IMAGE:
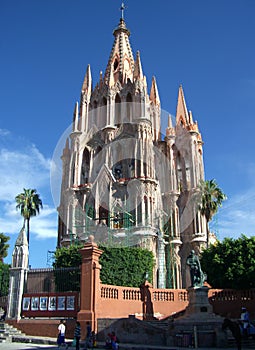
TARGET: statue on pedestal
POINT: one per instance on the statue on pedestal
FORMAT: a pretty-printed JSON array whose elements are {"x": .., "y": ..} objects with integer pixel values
[{"x": 196, "y": 274}]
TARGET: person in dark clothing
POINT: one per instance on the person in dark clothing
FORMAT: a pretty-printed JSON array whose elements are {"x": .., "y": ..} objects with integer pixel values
[
  {"x": 77, "y": 335},
  {"x": 88, "y": 336},
  {"x": 3, "y": 316}
]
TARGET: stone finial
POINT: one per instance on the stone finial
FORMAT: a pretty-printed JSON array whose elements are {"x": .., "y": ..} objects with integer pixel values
[{"x": 91, "y": 239}]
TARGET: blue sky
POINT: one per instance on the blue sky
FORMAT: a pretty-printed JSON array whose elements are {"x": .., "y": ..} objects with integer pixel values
[{"x": 45, "y": 46}]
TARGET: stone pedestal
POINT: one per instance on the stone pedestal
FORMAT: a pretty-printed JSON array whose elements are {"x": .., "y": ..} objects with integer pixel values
[
  {"x": 199, "y": 324},
  {"x": 199, "y": 306}
]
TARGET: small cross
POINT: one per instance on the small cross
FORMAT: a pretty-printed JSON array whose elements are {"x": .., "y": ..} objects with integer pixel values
[{"x": 122, "y": 10}]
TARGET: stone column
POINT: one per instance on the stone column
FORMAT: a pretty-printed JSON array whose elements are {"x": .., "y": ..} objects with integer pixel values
[
  {"x": 18, "y": 276},
  {"x": 90, "y": 285}
]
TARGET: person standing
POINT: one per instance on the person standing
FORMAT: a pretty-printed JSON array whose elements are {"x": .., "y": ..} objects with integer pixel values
[
  {"x": 114, "y": 343},
  {"x": 245, "y": 319},
  {"x": 77, "y": 335},
  {"x": 61, "y": 334},
  {"x": 88, "y": 336}
]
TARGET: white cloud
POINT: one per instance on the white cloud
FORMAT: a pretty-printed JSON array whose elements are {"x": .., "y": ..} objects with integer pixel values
[
  {"x": 237, "y": 216},
  {"x": 4, "y": 132},
  {"x": 45, "y": 225},
  {"x": 24, "y": 166}
]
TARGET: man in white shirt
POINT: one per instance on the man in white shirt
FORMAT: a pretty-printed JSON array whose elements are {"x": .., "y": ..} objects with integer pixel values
[{"x": 61, "y": 334}]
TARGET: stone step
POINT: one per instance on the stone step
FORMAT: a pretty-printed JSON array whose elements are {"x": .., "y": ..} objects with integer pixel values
[
  {"x": 164, "y": 325},
  {"x": 8, "y": 332},
  {"x": 246, "y": 343}
]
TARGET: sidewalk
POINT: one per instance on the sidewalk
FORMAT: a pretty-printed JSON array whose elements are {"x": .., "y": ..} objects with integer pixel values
[{"x": 29, "y": 340}]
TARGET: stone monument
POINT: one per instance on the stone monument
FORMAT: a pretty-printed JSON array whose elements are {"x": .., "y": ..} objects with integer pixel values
[{"x": 199, "y": 326}]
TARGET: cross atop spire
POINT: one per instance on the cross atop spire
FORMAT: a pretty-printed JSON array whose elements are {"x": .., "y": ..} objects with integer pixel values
[{"x": 122, "y": 8}]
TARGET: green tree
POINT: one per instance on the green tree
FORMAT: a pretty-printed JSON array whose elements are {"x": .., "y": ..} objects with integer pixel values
[
  {"x": 67, "y": 256},
  {"x": 4, "y": 268},
  {"x": 4, "y": 279},
  {"x": 29, "y": 204},
  {"x": 126, "y": 266},
  {"x": 210, "y": 201},
  {"x": 67, "y": 268},
  {"x": 3, "y": 246},
  {"x": 230, "y": 263}
]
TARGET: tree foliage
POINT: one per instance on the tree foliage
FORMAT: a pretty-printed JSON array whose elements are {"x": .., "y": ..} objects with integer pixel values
[
  {"x": 4, "y": 268},
  {"x": 67, "y": 256},
  {"x": 4, "y": 279},
  {"x": 126, "y": 266},
  {"x": 29, "y": 204},
  {"x": 122, "y": 266},
  {"x": 3, "y": 246},
  {"x": 211, "y": 198},
  {"x": 66, "y": 268},
  {"x": 230, "y": 263}
]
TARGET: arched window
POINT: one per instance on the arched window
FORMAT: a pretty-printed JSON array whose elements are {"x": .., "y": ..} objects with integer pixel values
[
  {"x": 104, "y": 101},
  {"x": 73, "y": 170},
  {"x": 117, "y": 109},
  {"x": 85, "y": 166},
  {"x": 94, "y": 115},
  {"x": 129, "y": 106},
  {"x": 115, "y": 64},
  {"x": 103, "y": 215}
]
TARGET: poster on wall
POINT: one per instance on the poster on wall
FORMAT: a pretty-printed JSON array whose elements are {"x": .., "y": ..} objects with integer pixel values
[
  {"x": 52, "y": 303},
  {"x": 61, "y": 303},
  {"x": 43, "y": 303},
  {"x": 26, "y": 304},
  {"x": 70, "y": 302},
  {"x": 34, "y": 303}
]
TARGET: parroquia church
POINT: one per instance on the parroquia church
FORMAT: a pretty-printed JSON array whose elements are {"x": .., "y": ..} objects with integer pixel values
[{"x": 126, "y": 181}]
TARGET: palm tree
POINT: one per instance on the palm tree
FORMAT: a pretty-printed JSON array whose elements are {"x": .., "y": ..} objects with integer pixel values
[
  {"x": 211, "y": 199},
  {"x": 29, "y": 204}
]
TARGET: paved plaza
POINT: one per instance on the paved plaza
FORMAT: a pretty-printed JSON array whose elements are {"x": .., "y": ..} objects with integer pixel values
[{"x": 21, "y": 346}]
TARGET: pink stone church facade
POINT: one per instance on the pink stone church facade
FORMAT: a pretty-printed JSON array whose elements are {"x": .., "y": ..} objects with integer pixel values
[{"x": 124, "y": 179}]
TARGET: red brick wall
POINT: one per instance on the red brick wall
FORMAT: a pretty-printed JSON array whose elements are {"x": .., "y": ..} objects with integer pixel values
[
  {"x": 46, "y": 328},
  {"x": 118, "y": 302}
]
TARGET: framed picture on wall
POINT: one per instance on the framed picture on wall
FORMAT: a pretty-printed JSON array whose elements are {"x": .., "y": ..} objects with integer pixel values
[
  {"x": 26, "y": 303},
  {"x": 61, "y": 303},
  {"x": 34, "y": 303},
  {"x": 70, "y": 302},
  {"x": 52, "y": 303},
  {"x": 43, "y": 303}
]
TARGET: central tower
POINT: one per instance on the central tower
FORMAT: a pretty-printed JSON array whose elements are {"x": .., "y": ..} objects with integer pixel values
[{"x": 122, "y": 181}]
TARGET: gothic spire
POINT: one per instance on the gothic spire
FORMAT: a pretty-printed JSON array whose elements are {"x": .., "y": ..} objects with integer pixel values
[
  {"x": 76, "y": 117},
  {"x": 182, "y": 116},
  {"x": 121, "y": 61},
  {"x": 87, "y": 83},
  {"x": 22, "y": 238},
  {"x": 154, "y": 95},
  {"x": 20, "y": 253},
  {"x": 138, "y": 72}
]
